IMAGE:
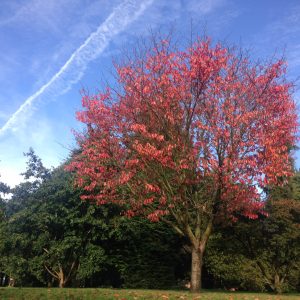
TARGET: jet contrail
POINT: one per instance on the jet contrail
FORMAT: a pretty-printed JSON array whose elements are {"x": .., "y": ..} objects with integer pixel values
[{"x": 74, "y": 68}]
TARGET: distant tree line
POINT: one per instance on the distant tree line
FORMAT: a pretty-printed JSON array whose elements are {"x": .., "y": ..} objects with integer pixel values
[{"x": 49, "y": 237}]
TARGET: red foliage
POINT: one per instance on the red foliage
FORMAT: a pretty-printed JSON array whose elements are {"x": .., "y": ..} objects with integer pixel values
[{"x": 183, "y": 122}]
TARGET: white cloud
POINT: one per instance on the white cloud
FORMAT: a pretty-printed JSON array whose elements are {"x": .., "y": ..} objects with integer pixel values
[
  {"x": 74, "y": 68},
  {"x": 11, "y": 176}
]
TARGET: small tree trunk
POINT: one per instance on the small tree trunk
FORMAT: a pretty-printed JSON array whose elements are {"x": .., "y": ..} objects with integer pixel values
[
  {"x": 196, "y": 269},
  {"x": 61, "y": 276},
  {"x": 277, "y": 284},
  {"x": 61, "y": 283}
]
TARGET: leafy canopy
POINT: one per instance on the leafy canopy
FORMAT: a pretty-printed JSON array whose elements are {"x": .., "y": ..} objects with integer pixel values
[{"x": 188, "y": 133}]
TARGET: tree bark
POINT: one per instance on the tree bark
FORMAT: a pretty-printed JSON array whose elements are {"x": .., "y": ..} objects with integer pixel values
[
  {"x": 277, "y": 284},
  {"x": 61, "y": 283},
  {"x": 198, "y": 244},
  {"x": 61, "y": 277},
  {"x": 196, "y": 270}
]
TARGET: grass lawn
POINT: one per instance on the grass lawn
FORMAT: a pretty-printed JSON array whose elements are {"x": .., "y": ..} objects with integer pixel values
[{"x": 122, "y": 294}]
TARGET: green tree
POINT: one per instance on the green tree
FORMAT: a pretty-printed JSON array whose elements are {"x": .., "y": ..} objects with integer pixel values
[
  {"x": 52, "y": 237},
  {"x": 60, "y": 230},
  {"x": 48, "y": 229},
  {"x": 150, "y": 254},
  {"x": 267, "y": 249},
  {"x": 35, "y": 174},
  {"x": 4, "y": 190}
]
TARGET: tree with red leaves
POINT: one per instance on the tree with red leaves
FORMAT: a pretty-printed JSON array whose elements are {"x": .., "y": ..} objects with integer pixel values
[{"x": 187, "y": 138}]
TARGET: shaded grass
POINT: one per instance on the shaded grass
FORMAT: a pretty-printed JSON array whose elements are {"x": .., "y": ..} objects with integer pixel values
[{"x": 124, "y": 294}]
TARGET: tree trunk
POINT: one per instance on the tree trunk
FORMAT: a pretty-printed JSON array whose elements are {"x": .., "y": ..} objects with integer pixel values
[
  {"x": 61, "y": 283},
  {"x": 277, "y": 284},
  {"x": 196, "y": 269},
  {"x": 61, "y": 278}
]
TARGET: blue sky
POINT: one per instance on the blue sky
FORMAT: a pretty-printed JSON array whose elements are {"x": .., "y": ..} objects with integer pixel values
[{"x": 50, "y": 50}]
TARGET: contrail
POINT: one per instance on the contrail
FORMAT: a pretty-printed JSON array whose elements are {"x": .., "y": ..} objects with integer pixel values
[{"x": 71, "y": 72}]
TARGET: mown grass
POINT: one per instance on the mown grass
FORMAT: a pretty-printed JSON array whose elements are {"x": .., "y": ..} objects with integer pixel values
[{"x": 124, "y": 294}]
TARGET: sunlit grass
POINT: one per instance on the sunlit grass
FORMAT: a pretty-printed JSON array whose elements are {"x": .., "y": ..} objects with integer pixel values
[{"x": 124, "y": 294}]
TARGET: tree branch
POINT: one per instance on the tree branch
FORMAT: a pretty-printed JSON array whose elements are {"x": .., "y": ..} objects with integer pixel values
[{"x": 51, "y": 273}]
